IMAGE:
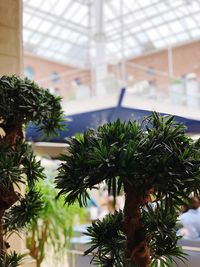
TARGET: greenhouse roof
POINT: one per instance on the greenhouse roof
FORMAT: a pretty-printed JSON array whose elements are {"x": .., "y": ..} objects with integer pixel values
[{"x": 64, "y": 30}]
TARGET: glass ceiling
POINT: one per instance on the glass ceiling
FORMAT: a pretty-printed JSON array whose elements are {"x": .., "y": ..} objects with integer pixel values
[{"x": 64, "y": 30}]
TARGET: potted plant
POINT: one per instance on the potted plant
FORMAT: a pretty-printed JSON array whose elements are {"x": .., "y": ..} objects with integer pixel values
[
  {"x": 156, "y": 165},
  {"x": 53, "y": 227},
  {"x": 177, "y": 91},
  {"x": 21, "y": 101}
]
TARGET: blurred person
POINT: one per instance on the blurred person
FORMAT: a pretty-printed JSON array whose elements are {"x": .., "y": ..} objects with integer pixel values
[{"x": 190, "y": 219}]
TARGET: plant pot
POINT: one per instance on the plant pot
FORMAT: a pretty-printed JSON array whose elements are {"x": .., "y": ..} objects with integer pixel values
[
  {"x": 177, "y": 93},
  {"x": 192, "y": 93}
]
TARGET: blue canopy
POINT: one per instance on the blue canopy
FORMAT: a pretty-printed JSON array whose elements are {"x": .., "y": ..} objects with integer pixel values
[{"x": 79, "y": 123}]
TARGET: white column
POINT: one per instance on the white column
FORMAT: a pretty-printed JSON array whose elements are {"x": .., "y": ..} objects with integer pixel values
[
  {"x": 123, "y": 61},
  {"x": 170, "y": 62},
  {"x": 100, "y": 65}
]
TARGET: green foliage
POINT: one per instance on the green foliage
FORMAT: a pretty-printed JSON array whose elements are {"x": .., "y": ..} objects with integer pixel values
[
  {"x": 18, "y": 164},
  {"x": 11, "y": 260},
  {"x": 23, "y": 101},
  {"x": 53, "y": 225},
  {"x": 156, "y": 156},
  {"x": 108, "y": 241},
  {"x": 160, "y": 224},
  {"x": 24, "y": 212}
]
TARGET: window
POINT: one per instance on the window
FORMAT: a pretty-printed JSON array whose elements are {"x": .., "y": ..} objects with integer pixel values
[
  {"x": 55, "y": 77},
  {"x": 29, "y": 72},
  {"x": 77, "y": 81},
  {"x": 150, "y": 71}
]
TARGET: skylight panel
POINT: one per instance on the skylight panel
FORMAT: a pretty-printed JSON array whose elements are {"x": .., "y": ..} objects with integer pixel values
[
  {"x": 65, "y": 33},
  {"x": 36, "y": 3},
  {"x": 112, "y": 47},
  {"x": 46, "y": 42},
  {"x": 160, "y": 44},
  {"x": 109, "y": 14},
  {"x": 136, "y": 51},
  {"x": 183, "y": 37},
  {"x": 64, "y": 50},
  {"x": 35, "y": 38},
  {"x": 74, "y": 36},
  {"x": 194, "y": 6},
  {"x": 128, "y": 53},
  {"x": 139, "y": 15},
  {"x": 45, "y": 26},
  {"x": 131, "y": 5},
  {"x": 73, "y": 10},
  {"x": 47, "y": 53},
  {"x": 145, "y": 3},
  {"x": 142, "y": 37},
  {"x": 195, "y": 33},
  {"x": 168, "y": 16},
  {"x": 146, "y": 24},
  {"x": 162, "y": 6},
  {"x": 172, "y": 40},
  {"x": 48, "y": 6},
  {"x": 56, "y": 44},
  {"x": 164, "y": 30},
  {"x": 150, "y": 11},
  {"x": 34, "y": 23},
  {"x": 131, "y": 41},
  {"x": 79, "y": 15},
  {"x": 191, "y": 24},
  {"x": 56, "y": 30},
  {"x": 60, "y": 7},
  {"x": 153, "y": 34},
  {"x": 27, "y": 34},
  {"x": 174, "y": 4},
  {"x": 26, "y": 18},
  {"x": 176, "y": 26},
  {"x": 157, "y": 20}
]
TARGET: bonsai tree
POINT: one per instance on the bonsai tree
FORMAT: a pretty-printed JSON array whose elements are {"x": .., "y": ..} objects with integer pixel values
[
  {"x": 53, "y": 227},
  {"x": 21, "y": 102},
  {"x": 155, "y": 162}
]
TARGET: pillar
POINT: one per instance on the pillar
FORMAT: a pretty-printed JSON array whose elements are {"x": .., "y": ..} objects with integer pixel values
[
  {"x": 10, "y": 37},
  {"x": 11, "y": 63},
  {"x": 100, "y": 67}
]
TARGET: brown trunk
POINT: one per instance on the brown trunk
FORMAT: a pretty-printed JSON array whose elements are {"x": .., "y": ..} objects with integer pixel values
[
  {"x": 8, "y": 196},
  {"x": 137, "y": 253},
  {"x": 7, "y": 199},
  {"x": 2, "y": 249}
]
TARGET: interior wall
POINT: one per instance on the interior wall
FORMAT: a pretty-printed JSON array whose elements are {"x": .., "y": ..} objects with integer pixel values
[
  {"x": 11, "y": 62},
  {"x": 42, "y": 70},
  {"x": 186, "y": 59},
  {"x": 10, "y": 37}
]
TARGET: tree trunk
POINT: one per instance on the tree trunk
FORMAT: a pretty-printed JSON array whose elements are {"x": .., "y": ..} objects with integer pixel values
[
  {"x": 8, "y": 196},
  {"x": 7, "y": 199},
  {"x": 137, "y": 251},
  {"x": 2, "y": 249}
]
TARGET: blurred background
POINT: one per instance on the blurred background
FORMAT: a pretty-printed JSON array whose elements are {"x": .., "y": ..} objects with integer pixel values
[
  {"x": 86, "y": 51},
  {"x": 107, "y": 59}
]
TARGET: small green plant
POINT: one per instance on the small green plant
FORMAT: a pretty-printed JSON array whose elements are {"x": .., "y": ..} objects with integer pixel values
[
  {"x": 21, "y": 101},
  {"x": 154, "y": 163},
  {"x": 53, "y": 226}
]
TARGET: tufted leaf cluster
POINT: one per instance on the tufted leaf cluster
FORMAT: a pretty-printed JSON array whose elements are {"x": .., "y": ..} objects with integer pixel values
[
  {"x": 156, "y": 155},
  {"x": 18, "y": 165},
  {"x": 23, "y": 101},
  {"x": 24, "y": 212},
  {"x": 160, "y": 224},
  {"x": 11, "y": 260}
]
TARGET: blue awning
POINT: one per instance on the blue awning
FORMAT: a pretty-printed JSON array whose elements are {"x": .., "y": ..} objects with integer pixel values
[{"x": 78, "y": 123}]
